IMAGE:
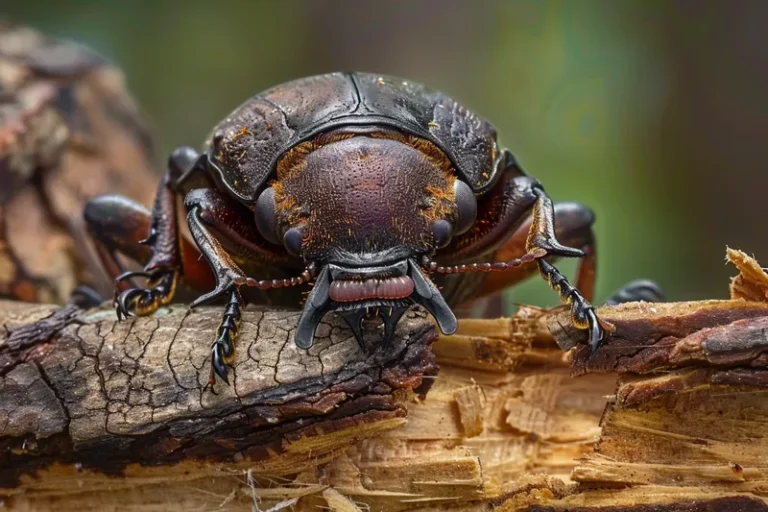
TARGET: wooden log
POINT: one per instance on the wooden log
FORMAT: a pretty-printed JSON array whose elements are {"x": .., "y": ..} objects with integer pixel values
[
  {"x": 670, "y": 418},
  {"x": 688, "y": 426},
  {"x": 96, "y": 411},
  {"x": 85, "y": 398}
]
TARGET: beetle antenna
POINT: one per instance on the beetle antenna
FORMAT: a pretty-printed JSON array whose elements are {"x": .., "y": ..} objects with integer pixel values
[
  {"x": 306, "y": 276},
  {"x": 499, "y": 266}
]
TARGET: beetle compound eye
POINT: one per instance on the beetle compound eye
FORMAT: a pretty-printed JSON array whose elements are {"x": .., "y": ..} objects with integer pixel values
[
  {"x": 266, "y": 219},
  {"x": 467, "y": 204},
  {"x": 443, "y": 232},
  {"x": 292, "y": 241}
]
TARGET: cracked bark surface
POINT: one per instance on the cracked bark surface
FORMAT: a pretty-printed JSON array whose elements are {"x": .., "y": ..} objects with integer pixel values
[{"x": 82, "y": 394}]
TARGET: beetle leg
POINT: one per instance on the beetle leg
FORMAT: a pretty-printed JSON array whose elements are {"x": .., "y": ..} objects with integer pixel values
[
  {"x": 229, "y": 279},
  {"x": 227, "y": 273},
  {"x": 500, "y": 216},
  {"x": 517, "y": 223},
  {"x": 573, "y": 222},
  {"x": 223, "y": 349},
  {"x": 160, "y": 289},
  {"x": 582, "y": 312},
  {"x": 117, "y": 225},
  {"x": 638, "y": 290},
  {"x": 164, "y": 229},
  {"x": 573, "y": 225},
  {"x": 234, "y": 226},
  {"x": 85, "y": 297}
]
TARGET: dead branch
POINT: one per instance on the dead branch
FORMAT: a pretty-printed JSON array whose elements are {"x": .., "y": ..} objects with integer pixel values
[{"x": 84, "y": 394}]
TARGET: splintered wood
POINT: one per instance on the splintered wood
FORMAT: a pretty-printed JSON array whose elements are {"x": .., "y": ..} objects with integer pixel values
[
  {"x": 671, "y": 414},
  {"x": 690, "y": 418},
  {"x": 752, "y": 281}
]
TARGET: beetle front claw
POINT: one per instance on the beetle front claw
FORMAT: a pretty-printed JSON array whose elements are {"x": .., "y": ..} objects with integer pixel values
[
  {"x": 555, "y": 248},
  {"x": 228, "y": 284},
  {"x": 583, "y": 314},
  {"x": 125, "y": 302},
  {"x": 208, "y": 297},
  {"x": 145, "y": 301},
  {"x": 218, "y": 367},
  {"x": 596, "y": 333}
]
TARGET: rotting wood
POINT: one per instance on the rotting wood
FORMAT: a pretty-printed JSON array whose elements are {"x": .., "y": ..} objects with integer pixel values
[
  {"x": 105, "y": 412},
  {"x": 688, "y": 428},
  {"x": 95, "y": 397}
]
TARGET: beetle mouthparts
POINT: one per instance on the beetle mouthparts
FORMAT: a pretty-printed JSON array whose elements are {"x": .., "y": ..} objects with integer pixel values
[
  {"x": 354, "y": 290},
  {"x": 315, "y": 308},
  {"x": 430, "y": 297},
  {"x": 350, "y": 287}
]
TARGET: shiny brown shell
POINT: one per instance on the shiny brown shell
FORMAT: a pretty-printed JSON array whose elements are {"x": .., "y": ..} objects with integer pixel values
[{"x": 245, "y": 147}]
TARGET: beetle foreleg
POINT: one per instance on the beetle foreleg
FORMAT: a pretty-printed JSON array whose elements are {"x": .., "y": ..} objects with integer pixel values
[
  {"x": 542, "y": 233},
  {"x": 228, "y": 274},
  {"x": 582, "y": 312},
  {"x": 223, "y": 349},
  {"x": 498, "y": 231},
  {"x": 211, "y": 210},
  {"x": 229, "y": 279},
  {"x": 165, "y": 264}
]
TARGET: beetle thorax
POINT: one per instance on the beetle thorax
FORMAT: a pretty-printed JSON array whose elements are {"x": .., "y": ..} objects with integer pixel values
[{"x": 358, "y": 196}]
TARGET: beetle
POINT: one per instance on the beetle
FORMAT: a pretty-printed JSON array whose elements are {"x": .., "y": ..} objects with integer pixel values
[{"x": 369, "y": 192}]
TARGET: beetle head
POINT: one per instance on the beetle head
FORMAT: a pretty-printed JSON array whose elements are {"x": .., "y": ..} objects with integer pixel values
[{"x": 363, "y": 208}]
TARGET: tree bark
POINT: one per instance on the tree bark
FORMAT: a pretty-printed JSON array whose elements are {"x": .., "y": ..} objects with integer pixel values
[
  {"x": 69, "y": 131},
  {"x": 85, "y": 395},
  {"x": 686, "y": 428}
]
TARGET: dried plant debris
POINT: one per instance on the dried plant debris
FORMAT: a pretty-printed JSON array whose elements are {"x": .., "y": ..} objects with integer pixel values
[{"x": 752, "y": 282}]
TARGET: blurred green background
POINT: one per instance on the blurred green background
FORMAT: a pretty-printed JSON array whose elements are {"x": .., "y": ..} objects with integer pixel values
[{"x": 652, "y": 112}]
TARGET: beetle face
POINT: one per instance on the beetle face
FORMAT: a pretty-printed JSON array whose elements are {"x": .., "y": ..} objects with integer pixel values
[{"x": 364, "y": 209}]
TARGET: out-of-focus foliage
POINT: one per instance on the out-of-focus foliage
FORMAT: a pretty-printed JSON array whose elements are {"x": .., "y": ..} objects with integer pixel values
[{"x": 651, "y": 112}]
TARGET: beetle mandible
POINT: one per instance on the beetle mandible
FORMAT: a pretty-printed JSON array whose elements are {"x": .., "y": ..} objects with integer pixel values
[{"x": 377, "y": 192}]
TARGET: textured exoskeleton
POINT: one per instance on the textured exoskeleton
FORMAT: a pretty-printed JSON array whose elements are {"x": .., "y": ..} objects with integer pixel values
[{"x": 369, "y": 192}]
